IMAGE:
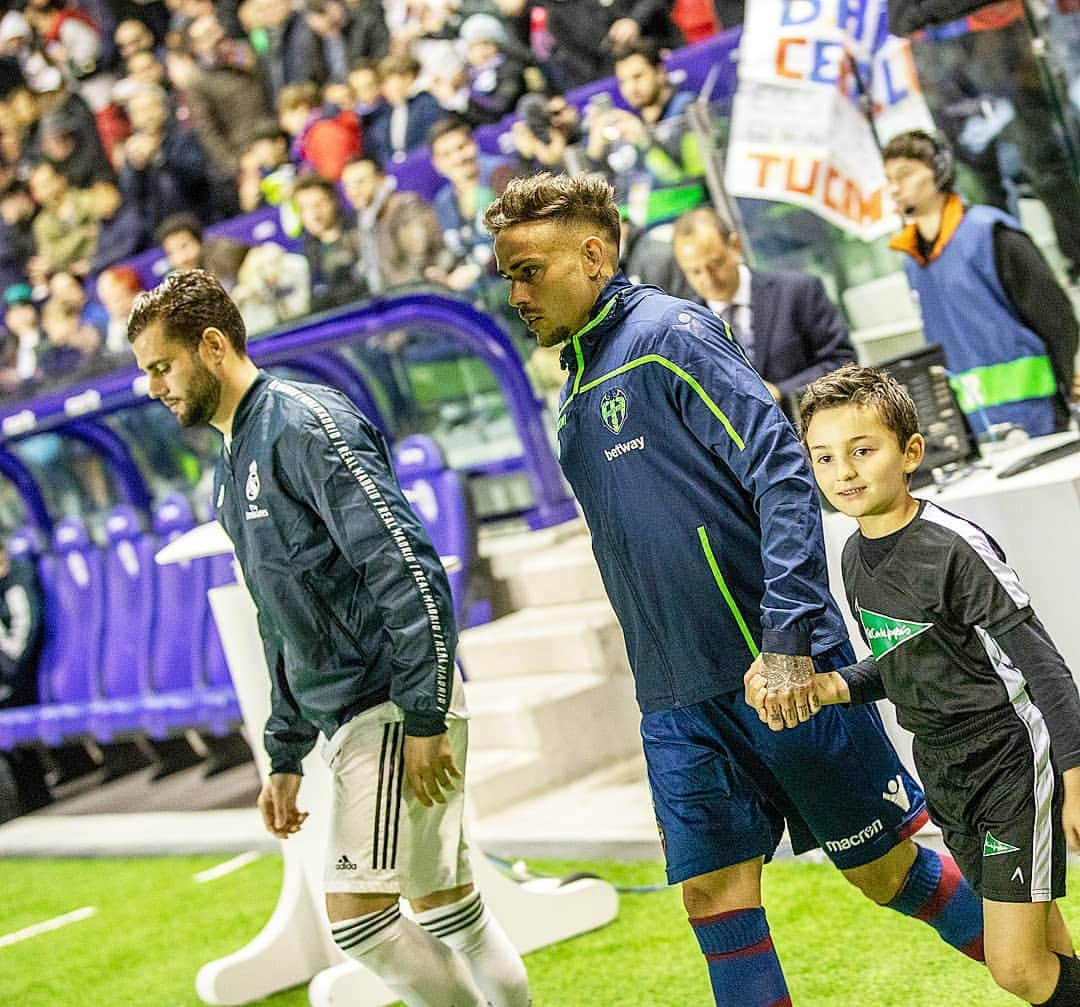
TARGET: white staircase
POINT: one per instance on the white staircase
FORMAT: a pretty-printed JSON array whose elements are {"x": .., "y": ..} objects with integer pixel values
[{"x": 552, "y": 701}]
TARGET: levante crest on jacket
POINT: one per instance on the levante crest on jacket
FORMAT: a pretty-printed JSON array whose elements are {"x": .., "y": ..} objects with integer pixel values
[{"x": 613, "y": 409}]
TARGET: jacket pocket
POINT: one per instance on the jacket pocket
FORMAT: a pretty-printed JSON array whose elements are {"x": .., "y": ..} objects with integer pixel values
[
  {"x": 339, "y": 623},
  {"x": 718, "y": 577}
]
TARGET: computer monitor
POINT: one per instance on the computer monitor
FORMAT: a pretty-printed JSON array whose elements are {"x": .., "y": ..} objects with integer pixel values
[{"x": 950, "y": 441}]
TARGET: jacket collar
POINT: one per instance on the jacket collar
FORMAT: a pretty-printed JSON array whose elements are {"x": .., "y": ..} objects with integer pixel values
[
  {"x": 908, "y": 239},
  {"x": 247, "y": 403},
  {"x": 604, "y": 315}
]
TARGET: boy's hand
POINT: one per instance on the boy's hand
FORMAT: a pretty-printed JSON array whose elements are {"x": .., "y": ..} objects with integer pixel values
[{"x": 1070, "y": 809}]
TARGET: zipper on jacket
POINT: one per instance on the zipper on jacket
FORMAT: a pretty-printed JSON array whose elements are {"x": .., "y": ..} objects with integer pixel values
[
  {"x": 579, "y": 356},
  {"x": 710, "y": 558},
  {"x": 334, "y": 617}
]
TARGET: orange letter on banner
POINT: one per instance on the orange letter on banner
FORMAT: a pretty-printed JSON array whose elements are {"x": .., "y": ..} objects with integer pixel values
[
  {"x": 807, "y": 189},
  {"x": 870, "y": 207},
  {"x": 831, "y": 176},
  {"x": 782, "y": 58},
  {"x": 766, "y": 162}
]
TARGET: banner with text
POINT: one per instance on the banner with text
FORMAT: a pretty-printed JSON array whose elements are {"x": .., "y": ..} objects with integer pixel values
[{"x": 799, "y": 128}]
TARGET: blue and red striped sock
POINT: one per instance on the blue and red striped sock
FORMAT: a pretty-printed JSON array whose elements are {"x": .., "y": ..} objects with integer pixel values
[
  {"x": 743, "y": 967},
  {"x": 936, "y": 893}
]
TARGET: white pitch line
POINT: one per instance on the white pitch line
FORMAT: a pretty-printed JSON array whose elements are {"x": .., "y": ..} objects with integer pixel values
[
  {"x": 44, "y": 927},
  {"x": 213, "y": 873}
]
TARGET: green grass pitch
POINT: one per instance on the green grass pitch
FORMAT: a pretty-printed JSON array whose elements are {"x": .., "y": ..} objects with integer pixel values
[{"x": 155, "y": 926}]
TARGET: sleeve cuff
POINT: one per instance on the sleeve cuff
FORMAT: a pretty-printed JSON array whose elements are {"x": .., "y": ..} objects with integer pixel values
[
  {"x": 293, "y": 768},
  {"x": 786, "y": 641},
  {"x": 424, "y": 725}
]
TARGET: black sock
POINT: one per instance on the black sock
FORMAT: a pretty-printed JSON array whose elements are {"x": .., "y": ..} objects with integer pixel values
[{"x": 1067, "y": 991}]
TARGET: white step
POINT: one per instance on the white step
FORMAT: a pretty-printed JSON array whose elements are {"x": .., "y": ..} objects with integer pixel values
[
  {"x": 606, "y": 813},
  {"x": 563, "y": 574},
  {"x": 552, "y": 638},
  {"x": 506, "y": 552},
  {"x": 499, "y": 777},
  {"x": 557, "y": 716}
]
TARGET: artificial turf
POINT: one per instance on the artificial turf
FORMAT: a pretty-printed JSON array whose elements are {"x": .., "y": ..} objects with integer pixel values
[{"x": 155, "y": 927}]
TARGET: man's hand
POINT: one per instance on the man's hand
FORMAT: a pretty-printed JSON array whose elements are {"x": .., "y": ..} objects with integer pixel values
[
  {"x": 430, "y": 769},
  {"x": 1070, "y": 809},
  {"x": 622, "y": 33},
  {"x": 277, "y": 804},
  {"x": 790, "y": 697}
]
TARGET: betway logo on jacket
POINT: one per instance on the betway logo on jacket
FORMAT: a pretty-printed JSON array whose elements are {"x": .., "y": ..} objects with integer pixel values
[
  {"x": 884, "y": 633},
  {"x": 637, "y": 444}
]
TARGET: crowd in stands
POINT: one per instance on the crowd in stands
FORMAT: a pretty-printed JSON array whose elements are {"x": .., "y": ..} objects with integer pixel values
[
  {"x": 128, "y": 125},
  {"x": 131, "y": 124}
]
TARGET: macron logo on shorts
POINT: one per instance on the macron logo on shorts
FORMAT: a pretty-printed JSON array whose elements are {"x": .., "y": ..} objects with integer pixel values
[
  {"x": 895, "y": 793},
  {"x": 345, "y": 864}
]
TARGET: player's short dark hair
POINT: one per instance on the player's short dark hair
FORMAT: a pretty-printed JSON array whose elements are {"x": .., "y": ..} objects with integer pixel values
[
  {"x": 563, "y": 198},
  {"x": 853, "y": 385},
  {"x": 187, "y": 303},
  {"x": 177, "y": 223}
]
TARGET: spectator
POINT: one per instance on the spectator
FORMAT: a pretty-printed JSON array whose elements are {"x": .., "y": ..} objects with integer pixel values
[
  {"x": 648, "y": 153},
  {"x": 145, "y": 68},
  {"x": 181, "y": 239},
  {"x": 117, "y": 288},
  {"x": 332, "y": 249},
  {"x": 494, "y": 69},
  {"x": 548, "y": 125},
  {"x": 65, "y": 112},
  {"x": 789, "y": 329},
  {"x": 58, "y": 136},
  {"x": 132, "y": 37},
  {"x": 460, "y": 204},
  {"x": 163, "y": 169},
  {"x": 226, "y": 92},
  {"x": 266, "y": 174},
  {"x": 21, "y": 631},
  {"x": 272, "y": 286},
  {"x": 364, "y": 82},
  {"x": 986, "y": 294},
  {"x": 403, "y": 122},
  {"x": 65, "y": 228},
  {"x": 277, "y": 31},
  {"x": 122, "y": 230},
  {"x": 986, "y": 62},
  {"x": 576, "y": 41},
  {"x": 21, "y": 320},
  {"x": 17, "y": 248},
  {"x": 399, "y": 233},
  {"x": 322, "y": 136},
  {"x": 70, "y": 344}
]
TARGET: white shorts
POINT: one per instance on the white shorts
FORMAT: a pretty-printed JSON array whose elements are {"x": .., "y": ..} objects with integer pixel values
[{"x": 382, "y": 839}]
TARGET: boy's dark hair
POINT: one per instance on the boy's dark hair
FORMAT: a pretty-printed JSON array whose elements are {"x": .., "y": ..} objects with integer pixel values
[
  {"x": 373, "y": 159},
  {"x": 175, "y": 224},
  {"x": 647, "y": 48},
  {"x": 186, "y": 304},
  {"x": 853, "y": 385},
  {"x": 564, "y": 198}
]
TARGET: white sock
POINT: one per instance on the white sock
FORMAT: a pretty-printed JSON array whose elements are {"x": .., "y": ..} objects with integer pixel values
[
  {"x": 420, "y": 969},
  {"x": 468, "y": 927}
]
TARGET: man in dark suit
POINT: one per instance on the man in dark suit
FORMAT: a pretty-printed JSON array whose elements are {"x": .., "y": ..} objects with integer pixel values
[{"x": 790, "y": 330}]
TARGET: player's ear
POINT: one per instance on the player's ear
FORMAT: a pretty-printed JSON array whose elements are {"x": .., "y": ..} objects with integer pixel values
[
  {"x": 914, "y": 453},
  {"x": 213, "y": 345},
  {"x": 592, "y": 255}
]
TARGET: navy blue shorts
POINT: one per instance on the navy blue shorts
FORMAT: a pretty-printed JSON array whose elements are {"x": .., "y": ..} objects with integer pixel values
[{"x": 724, "y": 785}]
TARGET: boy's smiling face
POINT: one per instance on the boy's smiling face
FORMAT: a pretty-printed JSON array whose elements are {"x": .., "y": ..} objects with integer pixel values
[{"x": 861, "y": 468}]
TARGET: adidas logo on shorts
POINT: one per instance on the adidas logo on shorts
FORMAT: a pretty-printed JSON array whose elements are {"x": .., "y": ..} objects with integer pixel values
[{"x": 345, "y": 864}]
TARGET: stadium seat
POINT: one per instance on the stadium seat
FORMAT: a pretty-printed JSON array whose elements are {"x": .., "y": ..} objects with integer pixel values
[
  {"x": 74, "y": 621},
  {"x": 129, "y": 625},
  {"x": 219, "y": 707}
]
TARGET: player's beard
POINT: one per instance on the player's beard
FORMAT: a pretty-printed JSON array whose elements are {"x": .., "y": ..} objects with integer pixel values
[
  {"x": 200, "y": 403},
  {"x": 556, "y": 337}
]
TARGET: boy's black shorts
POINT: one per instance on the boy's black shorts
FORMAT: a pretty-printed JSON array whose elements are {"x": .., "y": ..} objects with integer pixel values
[{"x": 992, "y": 788}]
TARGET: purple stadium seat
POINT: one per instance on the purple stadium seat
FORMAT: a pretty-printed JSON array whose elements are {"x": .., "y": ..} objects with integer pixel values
[
  {"x": 438, "y": 495},
  {"x": 129, "y": 624},
  {"x": 74, "y": 621},
  {"x": 219, "y": 708}
]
